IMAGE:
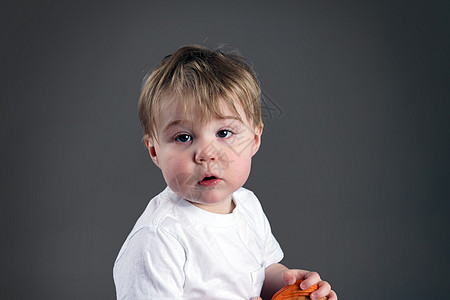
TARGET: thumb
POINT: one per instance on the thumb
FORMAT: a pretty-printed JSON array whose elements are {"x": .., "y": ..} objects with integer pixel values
[
  {"x": 290, "y": 277},
  {"x": 257, "y": 298}
]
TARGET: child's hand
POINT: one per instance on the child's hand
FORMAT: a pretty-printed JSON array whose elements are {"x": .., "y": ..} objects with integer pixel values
[{"x": 309, "y": 279}]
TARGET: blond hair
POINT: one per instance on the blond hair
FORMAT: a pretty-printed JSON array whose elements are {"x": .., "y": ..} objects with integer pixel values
[{"x": 206, "y": 77}]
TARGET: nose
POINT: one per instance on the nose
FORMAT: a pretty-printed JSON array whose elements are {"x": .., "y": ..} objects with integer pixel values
[{"x": 206, "y": 153}]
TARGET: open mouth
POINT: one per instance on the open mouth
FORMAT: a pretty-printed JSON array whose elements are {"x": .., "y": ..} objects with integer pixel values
[{"x": 209, "y": 181}]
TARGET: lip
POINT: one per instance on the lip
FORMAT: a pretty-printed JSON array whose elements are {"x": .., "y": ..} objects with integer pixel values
[{"x": 209, "y": 180}]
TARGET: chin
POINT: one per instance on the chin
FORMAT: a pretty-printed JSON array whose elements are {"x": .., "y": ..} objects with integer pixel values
[{"x": 209, "y": 197}]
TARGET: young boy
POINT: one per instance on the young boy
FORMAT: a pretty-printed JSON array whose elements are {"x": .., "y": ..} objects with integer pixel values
[{"x": 204, "y": 236}]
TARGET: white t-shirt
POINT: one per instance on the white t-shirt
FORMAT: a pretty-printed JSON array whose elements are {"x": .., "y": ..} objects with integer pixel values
[{"x": 179, "y": 251}]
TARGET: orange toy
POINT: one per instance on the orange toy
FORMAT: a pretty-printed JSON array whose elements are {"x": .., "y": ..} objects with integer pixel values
[{"x": 293, "y": 292}]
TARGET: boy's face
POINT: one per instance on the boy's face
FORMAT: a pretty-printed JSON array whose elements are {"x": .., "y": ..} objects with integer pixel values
[{"x": 204, "y": 162}]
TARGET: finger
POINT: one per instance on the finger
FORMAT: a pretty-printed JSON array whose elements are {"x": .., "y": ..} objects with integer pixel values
[
  {"x": 324, "y": 290},
  {"x": 332, "y": 296},
  {"x": 291, "y": 276},
  {"x": 311, "y": 278},
  {"x": 257, "y": 298}
]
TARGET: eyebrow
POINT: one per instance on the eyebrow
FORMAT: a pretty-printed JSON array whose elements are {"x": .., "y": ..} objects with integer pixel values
[
  {"x": 171, "y": 124},
  {"x": 230, "y": 118},
  {"x": 178, "y": 122}
]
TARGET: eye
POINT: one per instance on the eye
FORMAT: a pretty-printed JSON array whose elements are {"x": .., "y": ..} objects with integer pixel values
[
  {"x": 224, "y": 133},
  {"x": 183, "y": 138}
]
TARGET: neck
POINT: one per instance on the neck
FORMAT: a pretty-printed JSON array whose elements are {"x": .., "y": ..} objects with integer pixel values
[{"x": 221, "y": 208}]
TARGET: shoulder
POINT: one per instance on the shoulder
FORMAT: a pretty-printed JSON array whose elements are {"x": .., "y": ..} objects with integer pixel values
[
  {"x": 160, "y": 210},
  {"x": 248, "y": 202},
  {"x": 245, "y": 194},
  {"x": 155, "y": 229},
  {"x": 246, "y": 197},
  {"x": 158, "y": 219}
]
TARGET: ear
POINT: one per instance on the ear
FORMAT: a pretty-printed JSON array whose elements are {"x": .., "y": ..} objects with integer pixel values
[
  {"x": 257, "y": 139},
  {"x": 150, "y": 144}
]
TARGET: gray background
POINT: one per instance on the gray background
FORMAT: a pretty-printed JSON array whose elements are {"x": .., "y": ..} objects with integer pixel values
[{"x": 353, "y": 172}]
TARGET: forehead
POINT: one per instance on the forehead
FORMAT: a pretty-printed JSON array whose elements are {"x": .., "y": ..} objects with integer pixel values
[{"x": 188, "y": 109}]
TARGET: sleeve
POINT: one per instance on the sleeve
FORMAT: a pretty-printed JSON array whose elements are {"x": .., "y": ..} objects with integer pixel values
[
  {"x": 150, "y": 267},
  {"x": 272, "y": 250}
]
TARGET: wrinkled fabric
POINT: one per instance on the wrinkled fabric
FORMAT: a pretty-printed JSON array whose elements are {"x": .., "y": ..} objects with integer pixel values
[{"x": 179, "y": 251}]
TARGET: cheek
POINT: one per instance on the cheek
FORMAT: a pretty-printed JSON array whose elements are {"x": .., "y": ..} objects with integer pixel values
[
  {"x": 241, "y": 169},
  {"x": 176, "y": 171}
]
